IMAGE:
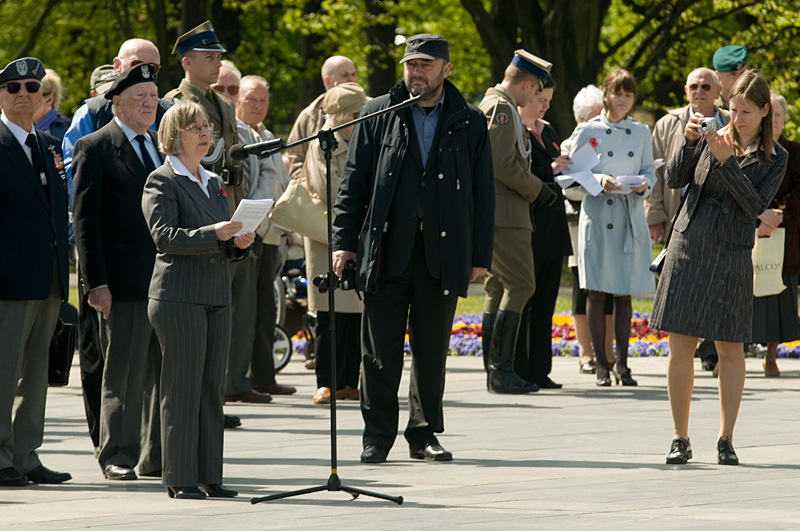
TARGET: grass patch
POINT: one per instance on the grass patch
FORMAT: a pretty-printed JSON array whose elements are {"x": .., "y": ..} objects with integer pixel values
[{"x": 474, "y": 304}]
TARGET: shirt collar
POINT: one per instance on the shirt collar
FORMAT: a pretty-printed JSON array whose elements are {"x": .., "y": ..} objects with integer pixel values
[
  {"x": 19, "y": 133},
  {"x": 180, "y": 169},
  {"x": 130, "y": 134}
]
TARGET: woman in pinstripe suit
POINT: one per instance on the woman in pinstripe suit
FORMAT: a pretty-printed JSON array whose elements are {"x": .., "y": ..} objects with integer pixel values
[
  {"x": 190, "y": 296},
  {"x": 706, "y": 286}
]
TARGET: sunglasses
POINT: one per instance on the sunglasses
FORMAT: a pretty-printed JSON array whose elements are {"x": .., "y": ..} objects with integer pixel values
[
  {"x": 14, "y": 86},
  {"x": 233, "y": 90},
  {"x": 705, "y": 86},
  {"x": 139, "y": 62}
]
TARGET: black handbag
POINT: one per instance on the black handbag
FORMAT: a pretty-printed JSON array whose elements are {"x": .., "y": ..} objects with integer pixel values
[
  {"x": 658, "y": 262},
  {"x": 62, "y": 349}
]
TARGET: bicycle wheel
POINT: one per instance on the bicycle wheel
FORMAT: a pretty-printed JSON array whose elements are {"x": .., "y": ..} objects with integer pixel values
[{"x": 281, "y": 348}]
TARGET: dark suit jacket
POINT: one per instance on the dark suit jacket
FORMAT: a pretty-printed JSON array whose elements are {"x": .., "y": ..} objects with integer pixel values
[
  {"x": 550, "y": 230},
  {"x": 191, "y": 264},
  {"x": 114, "y": 243},
  {"x": 789, "y": 196},
  {"x": 34, "y": 229},
  {"x": 751, "y": 183}
]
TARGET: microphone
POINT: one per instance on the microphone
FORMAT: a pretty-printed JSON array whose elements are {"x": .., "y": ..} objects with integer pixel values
[{"x": 240, "y": 152}]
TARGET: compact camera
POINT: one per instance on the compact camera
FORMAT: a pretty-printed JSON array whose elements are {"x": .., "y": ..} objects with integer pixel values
[{"x": 708, "y": 125}]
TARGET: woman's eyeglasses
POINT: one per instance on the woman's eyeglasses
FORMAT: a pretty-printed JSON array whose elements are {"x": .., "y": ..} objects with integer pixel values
[
  {"x": 197, "y": 129},
  {"x": 14, "y": 86}
]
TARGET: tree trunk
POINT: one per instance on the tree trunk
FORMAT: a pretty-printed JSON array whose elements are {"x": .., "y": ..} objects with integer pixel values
[
  {"x": 36, "y": 29},
  {"x": 380, "y": 31}
]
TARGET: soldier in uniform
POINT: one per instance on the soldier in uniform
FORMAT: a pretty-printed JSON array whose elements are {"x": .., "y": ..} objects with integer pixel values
[
  {"x": 200, "y": 54},
  {"x": 510, "y": 283}
]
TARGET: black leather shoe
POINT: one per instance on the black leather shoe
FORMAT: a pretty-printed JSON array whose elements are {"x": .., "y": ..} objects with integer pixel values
[
  {"x": 151, "y": 474},
  {"x": 119, "y": 472},
  {"x": 186, "y": 493},
  {"x": 680, "y": 451},
  {"x": 45, "y": 476},
  {"x": 603, "y": 382},
  {"x": 432, "y": 452},
  {"x": 9, "y": 477},
  {"x": 725, "y": 453},
  {"x": 547, "y": 383},
  {"x": 232, "y": 421},
  {"x": 373, "y": 454},
  {"x": 625, "y": 377},
  {"x": 218, "y": 491}
]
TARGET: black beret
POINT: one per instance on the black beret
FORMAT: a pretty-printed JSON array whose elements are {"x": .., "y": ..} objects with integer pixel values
[{"x": 141, "y": 73}]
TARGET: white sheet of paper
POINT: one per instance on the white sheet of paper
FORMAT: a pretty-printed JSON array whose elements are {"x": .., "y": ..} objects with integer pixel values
[
  {"x": 583, "y": 160},
  {"x": 251, "y": 212},
  {"x": 564, "y": 181},
  {"x": 626, "y": 182},
  {"x": 659, "y": 163}
]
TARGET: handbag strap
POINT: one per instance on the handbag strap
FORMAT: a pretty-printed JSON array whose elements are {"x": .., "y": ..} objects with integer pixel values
[{"x": 677, "y": 213}]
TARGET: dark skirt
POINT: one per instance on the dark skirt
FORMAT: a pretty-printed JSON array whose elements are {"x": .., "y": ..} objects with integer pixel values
[{"x": 775, "y": 316}]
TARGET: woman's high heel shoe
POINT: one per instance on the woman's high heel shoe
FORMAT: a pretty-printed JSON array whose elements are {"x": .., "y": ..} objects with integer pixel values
[
  {"x": 186, "y": 493},
  {"x": 218, "y": 491},
  {"x": 725, "y": 452},
  {"x": 625, "y": 378},
  {"x": 603, "y": 382}
]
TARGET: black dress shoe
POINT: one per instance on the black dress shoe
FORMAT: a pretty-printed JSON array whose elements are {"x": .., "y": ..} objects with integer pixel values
[
  {"x": 546, "y": 383},
  {"x": 186, "y": 493},
  {"x": 9, "y": 477},
  {"x": 218, "y": 491},
  {"x": 680, "y": 451},
  {"x": 373, "y": 454},
  {"x": 432, "y": 452},
  {"x": 151, "y": 474},
  {"x": 625, "y": 377},
  {"x": 588, "y": 368},
  {"x": 603, "y": 382},
  {"x": 119, "y": 472},
  {"x": 725, "y": 453},
  {"x": 232, "y": 421},
  {"x": 45, "y": 476}
]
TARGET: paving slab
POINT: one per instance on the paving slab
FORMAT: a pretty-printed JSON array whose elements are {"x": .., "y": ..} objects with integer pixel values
[{"x": 581, "y": 457}]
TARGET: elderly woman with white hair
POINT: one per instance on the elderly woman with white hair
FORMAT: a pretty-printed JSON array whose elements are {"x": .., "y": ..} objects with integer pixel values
[{"x": 775, "y": 316}]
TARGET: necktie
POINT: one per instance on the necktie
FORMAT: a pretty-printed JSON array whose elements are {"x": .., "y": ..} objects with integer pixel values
[
  {"x": 148, "y": 162},
  {"x": 38, "y": 162}
]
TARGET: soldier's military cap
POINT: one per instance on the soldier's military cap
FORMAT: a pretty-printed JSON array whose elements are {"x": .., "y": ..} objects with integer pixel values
[
  {"x": 730, "y": 58},
  {"x": 202, "y": 38},
  {"x": 141, "y": 73},
  {"x": 25, "y": 68},
  {"x": 102, "y": 79},
  {"x": 530, "y": 63},
  {"x": 426, "y": 46}
]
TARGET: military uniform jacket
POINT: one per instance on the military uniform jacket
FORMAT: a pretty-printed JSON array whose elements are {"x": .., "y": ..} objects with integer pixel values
[
  {"x": 463, "y": 172},
  {"x": 35, "y": 226},
  {"x": 114, "y": 244},
  {"x": 515, "y": 186},
  {"x": 221, "y": 114},
  {"x": 668, "y": 135}
]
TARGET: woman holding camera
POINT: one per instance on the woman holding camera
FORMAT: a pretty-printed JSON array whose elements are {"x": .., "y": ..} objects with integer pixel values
[
  {"x": 341, "y": 104},
  {"x": 706, "y": 286},
  {"x": 614, "y": 250}
]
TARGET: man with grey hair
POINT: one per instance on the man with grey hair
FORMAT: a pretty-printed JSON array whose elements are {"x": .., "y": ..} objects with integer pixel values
[
  {"x": 702, "y": 88},
  {"x": 111, "y": 166},
  {"x": 228, "y": 81},
  {"x": 335, "y": 70},
  {"x": 251, "y": 367}
]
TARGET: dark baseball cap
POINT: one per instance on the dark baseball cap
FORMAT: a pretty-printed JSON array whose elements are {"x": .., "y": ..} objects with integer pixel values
[{"x": 426, "y": 46}]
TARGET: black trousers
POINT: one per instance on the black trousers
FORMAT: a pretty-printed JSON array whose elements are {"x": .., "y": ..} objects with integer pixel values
[
  {"x": 91, "y": 361},
  {"x": 348, "y": 349},
  {"x": 413, "y": 297},
  {"x": 534, "y": 354}
]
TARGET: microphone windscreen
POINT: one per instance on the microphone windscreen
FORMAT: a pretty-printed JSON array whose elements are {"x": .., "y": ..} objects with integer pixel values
[{"x": 237, "y": 152}]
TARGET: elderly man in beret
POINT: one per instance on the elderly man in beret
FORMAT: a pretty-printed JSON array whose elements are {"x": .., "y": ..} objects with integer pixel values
[
  {"x": 117, "y": 254},
  {"x": 33, "y": 273},
  {"x": 729, "y": 63}
]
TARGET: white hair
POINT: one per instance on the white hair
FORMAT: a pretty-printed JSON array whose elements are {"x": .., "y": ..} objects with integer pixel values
[
  {"x": 777, "y": 99},
  {"x": 232, "y": 67},
  {"x": 587, "y": 103}
]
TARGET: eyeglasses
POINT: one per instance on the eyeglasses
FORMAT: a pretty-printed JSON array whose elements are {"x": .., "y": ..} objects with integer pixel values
[
  {"x": 14, "y": 86},
  {"x": 233, "y": 90},
  {"x": 197, "y": 129},
  {"x": 139, "y": 62},
  {"x": 705, "y": 86}
]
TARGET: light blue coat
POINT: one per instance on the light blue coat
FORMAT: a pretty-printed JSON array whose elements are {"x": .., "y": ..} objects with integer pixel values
[{"x": 614, "y": 250}]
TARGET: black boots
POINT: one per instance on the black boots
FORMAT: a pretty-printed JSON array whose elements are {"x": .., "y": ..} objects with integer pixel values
[
  {"x": 502, "y": 377},
  {"x": 486, "y": 339}
]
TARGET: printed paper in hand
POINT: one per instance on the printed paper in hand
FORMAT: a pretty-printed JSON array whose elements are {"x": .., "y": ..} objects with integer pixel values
[
  {"x": 251, "y": 212},
  {"x": 580, "y": 172},
  {"x": 626, "y": 182}
]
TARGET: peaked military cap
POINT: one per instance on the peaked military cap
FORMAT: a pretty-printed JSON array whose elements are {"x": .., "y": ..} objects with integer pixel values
[
  {"x": 530, "y": 63},
  {"x": 730, "y": 58},
  {"x": 141, "y": 73},
  {"x": 102, "y": 79},
  {"x": 25, "y": 68},
  {"x": 202, "y": 38}
]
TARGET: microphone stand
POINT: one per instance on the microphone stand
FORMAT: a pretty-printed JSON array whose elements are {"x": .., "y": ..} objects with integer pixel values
[{"x": 328, "y": 143}]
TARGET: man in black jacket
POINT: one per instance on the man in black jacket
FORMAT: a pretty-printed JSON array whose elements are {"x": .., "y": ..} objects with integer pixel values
[{"x": 415, "y": 212}]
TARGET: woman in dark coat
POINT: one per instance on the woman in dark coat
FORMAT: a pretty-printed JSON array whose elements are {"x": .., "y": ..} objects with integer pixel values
[
  {"x": 775, "y": 316},
  {"x": 706, "y": 286},
  {"x": 550, "y": 243}
]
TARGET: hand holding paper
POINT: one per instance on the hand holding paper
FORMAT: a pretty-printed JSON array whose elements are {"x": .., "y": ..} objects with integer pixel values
[{"x": 250, "y": 213}]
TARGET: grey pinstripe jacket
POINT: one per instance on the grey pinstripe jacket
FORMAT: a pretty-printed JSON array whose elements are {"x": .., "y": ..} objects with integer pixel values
[
  {"x": 191, "y": 264},
  {"x": 751, "y": 184}
]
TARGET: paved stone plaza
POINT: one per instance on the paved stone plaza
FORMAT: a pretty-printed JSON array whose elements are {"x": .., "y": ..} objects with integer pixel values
[{"x": 579, "y": 458}]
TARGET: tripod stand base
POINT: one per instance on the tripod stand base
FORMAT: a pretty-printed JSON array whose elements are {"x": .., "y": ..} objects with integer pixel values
[{"x": 334, "y": 484}]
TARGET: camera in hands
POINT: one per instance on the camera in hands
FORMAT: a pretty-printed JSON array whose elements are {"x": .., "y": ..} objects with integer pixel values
[
  {"x": 708, "y": 125},
  {"x": 345, "y": 283}
]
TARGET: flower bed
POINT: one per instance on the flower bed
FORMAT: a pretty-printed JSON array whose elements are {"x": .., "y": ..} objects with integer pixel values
[{"x": 465, "y": 338}]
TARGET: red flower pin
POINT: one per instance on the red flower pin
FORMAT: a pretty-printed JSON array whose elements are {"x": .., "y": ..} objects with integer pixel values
[
  {"x": 593, "y": 142},
  {"x": 555, "y": 145},
  {"x": 223, "y": 192}
]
